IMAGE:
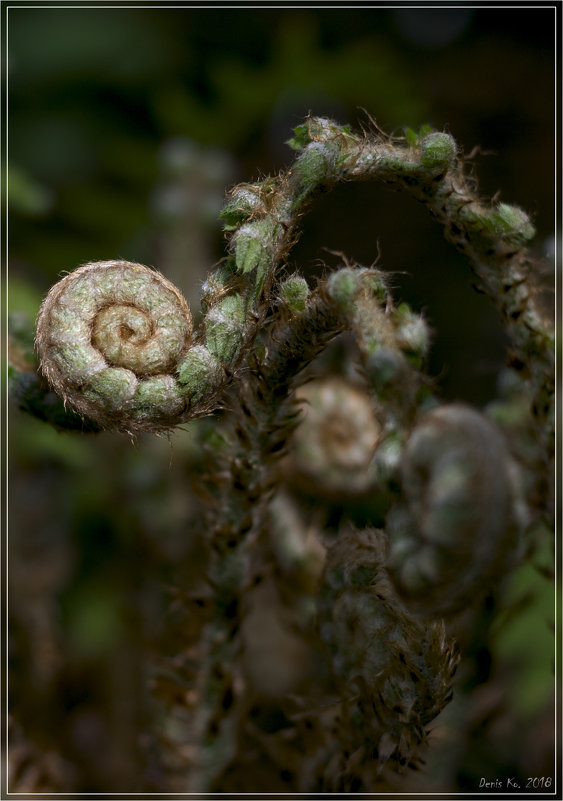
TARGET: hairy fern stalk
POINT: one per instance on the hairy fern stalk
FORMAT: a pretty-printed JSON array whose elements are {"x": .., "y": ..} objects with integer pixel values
[{"x": 371, "y": 608}]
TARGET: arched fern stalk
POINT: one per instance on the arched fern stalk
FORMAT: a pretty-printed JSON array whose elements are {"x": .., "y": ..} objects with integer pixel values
[
  {"x": 115, "y": 341},
  {"x": 80, "y": 335}
]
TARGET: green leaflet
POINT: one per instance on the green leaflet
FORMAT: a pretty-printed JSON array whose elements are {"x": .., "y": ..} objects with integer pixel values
[
  {"x": 301, "y": 138},
  {"x": 254, "y": 249},
  {"x": 249, "y": 253}
]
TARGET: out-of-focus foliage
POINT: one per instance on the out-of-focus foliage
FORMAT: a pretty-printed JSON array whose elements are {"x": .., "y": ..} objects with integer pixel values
[{"x": 125, "y": 127}]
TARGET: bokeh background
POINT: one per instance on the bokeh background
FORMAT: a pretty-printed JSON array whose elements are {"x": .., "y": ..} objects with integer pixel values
[{"x": 125, "y": 128}]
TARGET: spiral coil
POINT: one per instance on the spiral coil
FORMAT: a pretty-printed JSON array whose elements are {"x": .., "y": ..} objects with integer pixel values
[{"x": 111, "y": 338}]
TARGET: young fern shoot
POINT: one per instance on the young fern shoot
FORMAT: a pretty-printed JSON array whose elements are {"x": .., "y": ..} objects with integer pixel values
[
  {"x": 116, "y": 342},
  {"x": 149, "y": 371}
]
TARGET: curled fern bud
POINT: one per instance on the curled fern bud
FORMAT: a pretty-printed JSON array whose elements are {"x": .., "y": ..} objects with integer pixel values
[
  {"x": 333, "y": 445},
  {"x": 293, "y": 294},
  {"x": 453, "y": 536},
  {"x": 504, "y": 224},
  {"x": 244, "y": 204},
  {"x": 343, "y": 287},
  {"x": 437, "y": 150},
  {"x": 513, "y": 224},
  {"x": 110, "y": 337},
  {"x": 412, "y": 334}
]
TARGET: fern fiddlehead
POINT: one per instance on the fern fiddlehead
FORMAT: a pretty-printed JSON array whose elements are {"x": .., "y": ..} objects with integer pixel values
[
  {"x": 260, "y": 224},
  {"x": 109, "y": 336},
  {"x": 115, "y": 340},
  {"x": 457, "y": 526}
]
